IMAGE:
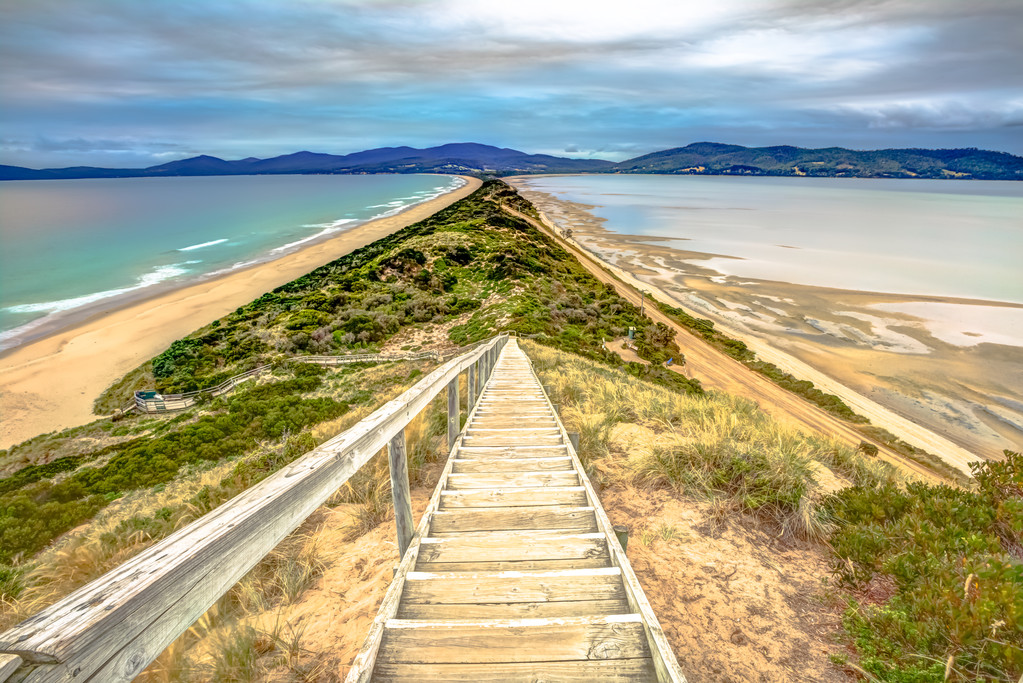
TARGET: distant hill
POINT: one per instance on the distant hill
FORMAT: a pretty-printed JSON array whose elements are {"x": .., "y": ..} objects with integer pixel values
[
  {"x": 467, "y": 158},
  {"x": 710, "y": 158},
  {"x": 701, "y": 158}
]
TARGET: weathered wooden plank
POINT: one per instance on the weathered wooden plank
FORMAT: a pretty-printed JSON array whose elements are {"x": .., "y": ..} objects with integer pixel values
[
  {"x": 8, "y": 665},
  {"x": 400, "y": 494},
  {"x": 454, "y": 413},
  {"x": 514, "y": 565},
  {"x": 519, "y": 449},
  {"x": 473, "y": 440},
  {"x": 465, "y": 466},
  {"x": 477, "y": 498},
  {"x": 510, "y": 546},
  {"x": 514, "y": 610},
  {"x": 513, "y": 432},
  {"x": 512, "y": 479},
  {"x": 490, "y": 519},
  {"x": 490, "y": 425},
  {"x": 517, "y": 640},
  {"x": 606, "y": 671},
  {"x": 512, "y": 586}
]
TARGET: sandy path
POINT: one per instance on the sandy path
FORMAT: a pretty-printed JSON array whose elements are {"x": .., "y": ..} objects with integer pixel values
[
  {"x": 51, "y": 383},
  {"x": 715, "y": 370}
]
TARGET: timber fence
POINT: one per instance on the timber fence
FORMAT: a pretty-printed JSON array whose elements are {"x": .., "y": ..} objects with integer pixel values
[{"x": 111, "y": 629}]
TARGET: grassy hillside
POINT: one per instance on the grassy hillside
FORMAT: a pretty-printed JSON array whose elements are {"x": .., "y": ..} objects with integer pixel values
[{"x": 709, "y": 158}]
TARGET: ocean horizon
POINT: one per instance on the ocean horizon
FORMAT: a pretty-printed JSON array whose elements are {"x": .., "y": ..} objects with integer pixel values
[{"x": 74, "y": 248}]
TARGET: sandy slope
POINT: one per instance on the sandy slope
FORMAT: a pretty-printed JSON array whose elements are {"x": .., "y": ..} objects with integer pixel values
[{"x": 51, "y": 384}]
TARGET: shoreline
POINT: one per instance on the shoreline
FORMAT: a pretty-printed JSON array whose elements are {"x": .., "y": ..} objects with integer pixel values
[
  {"x": 50, "y": 383},
  {"x": 892, "y": 367}
]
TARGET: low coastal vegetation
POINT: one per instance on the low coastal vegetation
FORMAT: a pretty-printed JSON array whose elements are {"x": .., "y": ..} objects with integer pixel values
[
  {"x": 931, "y": 575},
  {"x": 935, "y": 576},
  {"x": 742, "y": 353},
  {"x": 829, "y": 402}
]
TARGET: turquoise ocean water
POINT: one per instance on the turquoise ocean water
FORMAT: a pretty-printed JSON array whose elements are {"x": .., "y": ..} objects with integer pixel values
[
  {"x": 70, "y": 248},
  {"x": 922, "y": 237}
]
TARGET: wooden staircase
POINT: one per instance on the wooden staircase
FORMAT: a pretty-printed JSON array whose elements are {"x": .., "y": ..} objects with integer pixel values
[{"x": 514, "y": 573}]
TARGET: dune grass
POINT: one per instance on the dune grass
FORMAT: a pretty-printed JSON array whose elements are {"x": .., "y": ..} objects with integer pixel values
[{"x": 712, "y": 446}]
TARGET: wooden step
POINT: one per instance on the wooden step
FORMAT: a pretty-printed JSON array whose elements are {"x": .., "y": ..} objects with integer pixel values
[
  {"x": 478, "y": 498},
  {"x": 514, "y": 565},
  {"x": 472, "y": 465},
  {"x": 511, "y": 545},
  {"x": 503, "y": 452},
  {"x": 501, "y": 440},
  {"x": 576, "y": 518},
  {"x": 604, "y": 670},
  {"x": 499, "y": 641},
  {"x": 459, "y": 588},
  {"x": 505, "y": 480},
  {"x": 514, "y": 610}
]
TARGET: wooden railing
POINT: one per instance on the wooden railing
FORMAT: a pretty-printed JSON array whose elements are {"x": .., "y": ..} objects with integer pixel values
[
  {"x": 112, "y": 628},
  {"x": 153, "y": 402}
]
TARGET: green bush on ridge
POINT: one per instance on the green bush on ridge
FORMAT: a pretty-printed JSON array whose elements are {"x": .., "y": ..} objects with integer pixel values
[{"x": 951, "y": 560}]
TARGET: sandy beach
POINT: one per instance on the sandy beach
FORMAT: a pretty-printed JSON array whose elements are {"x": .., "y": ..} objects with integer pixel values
[
  {"x": 51, "y": 383},
  {"x": 912, "y": 364}
]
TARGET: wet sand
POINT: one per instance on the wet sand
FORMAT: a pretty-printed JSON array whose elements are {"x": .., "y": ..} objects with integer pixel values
[
  {"x": 866, "y": 347},
  {"x": 51, "y": 383}
]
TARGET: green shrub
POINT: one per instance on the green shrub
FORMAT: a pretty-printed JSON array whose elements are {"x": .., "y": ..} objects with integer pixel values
[
  {"x": 33, "y": 515},
  {"x": 953, "y": 563}
]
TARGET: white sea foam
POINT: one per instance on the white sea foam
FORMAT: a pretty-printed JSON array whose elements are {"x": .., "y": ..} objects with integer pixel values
[
  {"x": 147, "y": 280},
  {"x": 203, "y": 245},
  {"x": 53, "y": 308},
  {"x": 330, "y": 228}
]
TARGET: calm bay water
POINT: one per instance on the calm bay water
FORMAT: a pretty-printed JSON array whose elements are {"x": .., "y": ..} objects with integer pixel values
[
  {"x": 67, "y": 245},
  {"x": 926, "y": 237}
]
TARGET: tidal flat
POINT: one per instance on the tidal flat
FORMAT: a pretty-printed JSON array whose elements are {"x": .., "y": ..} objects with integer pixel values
[{"x": 922, "y": 313}]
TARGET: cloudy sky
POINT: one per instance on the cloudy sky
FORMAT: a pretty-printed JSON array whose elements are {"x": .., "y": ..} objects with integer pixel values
[{"x": 139, "y": 82}]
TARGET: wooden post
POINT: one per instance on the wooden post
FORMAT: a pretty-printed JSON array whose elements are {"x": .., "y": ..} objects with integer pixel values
[
  {"x": 574, "y": 438},
  {"x": 470, "y": 385},
  {"x": 453, "y": 413},
  {"x": 400, "y": 491}
]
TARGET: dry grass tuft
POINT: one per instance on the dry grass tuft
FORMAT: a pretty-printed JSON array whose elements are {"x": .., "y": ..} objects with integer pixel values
[{"x": 714, "y": 446}]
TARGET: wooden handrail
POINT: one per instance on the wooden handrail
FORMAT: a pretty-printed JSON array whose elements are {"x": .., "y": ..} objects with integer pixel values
[{"x": 112, "y": 628}]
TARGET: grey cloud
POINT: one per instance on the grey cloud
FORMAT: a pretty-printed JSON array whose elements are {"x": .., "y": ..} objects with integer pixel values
[{"x": 237, "y": 75}]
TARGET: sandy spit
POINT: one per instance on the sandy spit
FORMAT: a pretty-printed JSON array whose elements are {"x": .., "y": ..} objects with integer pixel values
[{"x": 51, "y": 383}]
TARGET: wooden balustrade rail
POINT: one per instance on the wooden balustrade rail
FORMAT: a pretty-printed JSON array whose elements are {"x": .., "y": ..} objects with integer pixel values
[{"x": 112, "y": 628}]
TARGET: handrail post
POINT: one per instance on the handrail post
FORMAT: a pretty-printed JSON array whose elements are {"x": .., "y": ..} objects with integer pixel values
[
  {"x": 470, "y": 384},
  {"x": 454, "y": 416},
  {"x": 400, "y": 493}
]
